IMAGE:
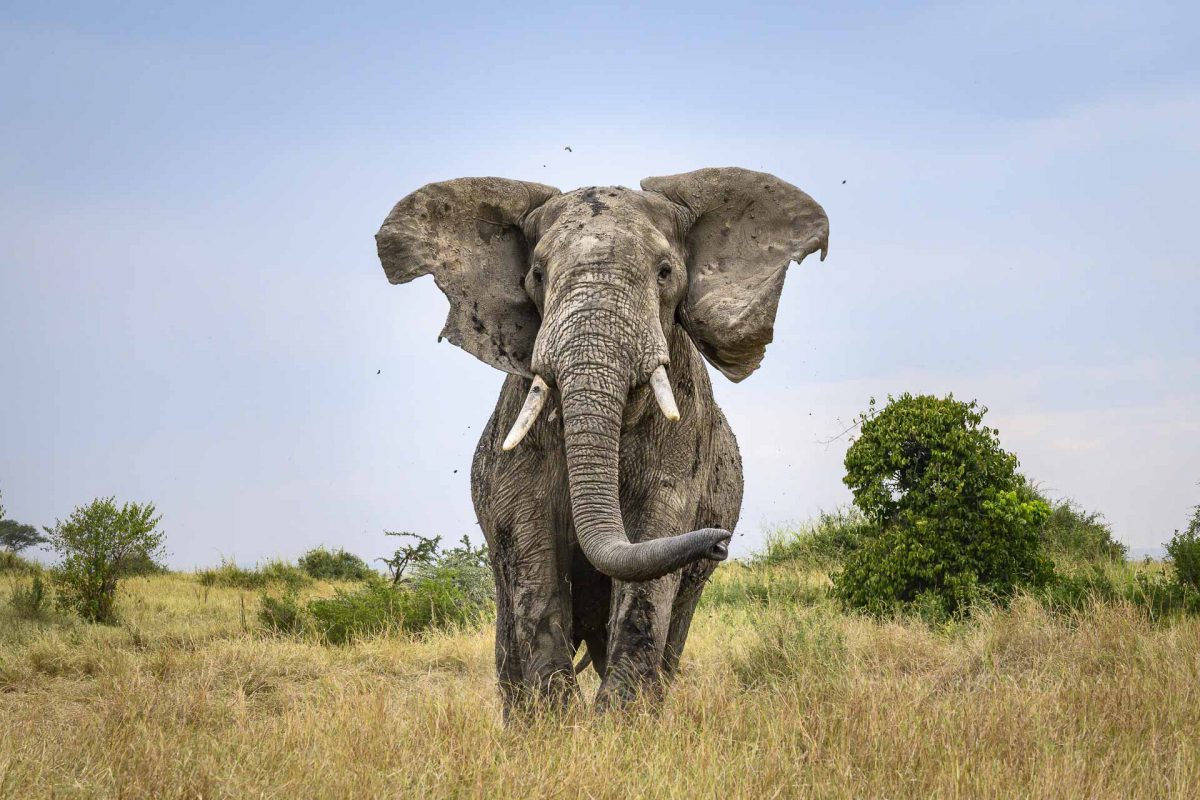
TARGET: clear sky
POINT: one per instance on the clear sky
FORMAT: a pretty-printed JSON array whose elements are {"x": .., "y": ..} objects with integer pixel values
[{"x": 192, "y": 312}]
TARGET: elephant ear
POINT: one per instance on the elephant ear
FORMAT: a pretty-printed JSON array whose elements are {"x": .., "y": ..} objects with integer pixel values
[
  {"x": 747, "y": 227},
  {"x": 468, "y": 234}
]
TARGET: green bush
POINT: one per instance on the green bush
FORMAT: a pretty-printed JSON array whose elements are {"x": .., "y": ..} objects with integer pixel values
[
  {"x": 437, "y": 599},
  {"x": 283, "y": 615},
  {"x": 463, "y": 571},
  {"x": 827, "y": 541},
  {"x": 445, "y": 589},
  {"x": 1076, "y": 591},
  {"x": 98, "y": 542},
  {"x": 281, "y": 572},
  {"x": 376, "y": 609},
  {"x": 334, "y": 565},
  {"x": 953, "y": 525},
  {"x": 229, "y": 575},
  {"x": 31, "y": 600},
  {"x": 11, "y": 562},
  {"x": 1184, "y": 552},
  {"x": 1072, "y": 534}
]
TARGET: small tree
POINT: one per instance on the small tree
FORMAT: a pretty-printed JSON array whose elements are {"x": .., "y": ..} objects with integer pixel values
[
  {"x": 422, "y": 551},
  {"x": 99, "y": 543},
  {"x": 15, "y": 537},
  {"x": 954, "y": 523}
]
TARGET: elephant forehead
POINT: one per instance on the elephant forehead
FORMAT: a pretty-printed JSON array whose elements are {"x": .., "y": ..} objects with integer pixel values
[{"x": 607, "y": 218}]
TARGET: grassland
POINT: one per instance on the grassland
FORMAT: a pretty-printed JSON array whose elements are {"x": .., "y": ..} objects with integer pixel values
[{"x": 781, "y": 695}]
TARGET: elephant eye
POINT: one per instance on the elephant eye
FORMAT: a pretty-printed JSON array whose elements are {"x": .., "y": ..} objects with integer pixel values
[
  {"x": 538, "y": 276},
  {"x": 664, "y": 271}
]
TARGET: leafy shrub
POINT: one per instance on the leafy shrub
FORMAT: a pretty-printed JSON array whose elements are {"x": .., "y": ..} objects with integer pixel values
[
  {"x": 1070, "y": 533},
  {"x": 824, "y": 542},
  {"x": 446, "y": 589},
  {"x": 232, "y": 576},
  {"x": 97, "y": 543},
  {"x": 229, "y": 574},
  {"x": 953, "y": 525},
  {"x": 279, "y": 571},
  {"x": 283, "y": 615},
  {"x": 437, "y": 599},
  {"x": 31, "y": 600},
  {"x": 11, "y": 562},
  {"x": 334, "y": 565},
  {"x": 376, "y": 609},
  {"x": 463, "y": 570},
  {"x": 1076, "y": 591},
  {"x": 1184, "y": 552}
]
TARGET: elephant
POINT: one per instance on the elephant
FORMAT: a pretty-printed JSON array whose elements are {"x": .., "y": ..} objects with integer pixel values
[{"x": 607, "y": 481}]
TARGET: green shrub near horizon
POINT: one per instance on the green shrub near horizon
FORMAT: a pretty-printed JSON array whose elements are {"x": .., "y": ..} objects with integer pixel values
[
  {"x": 273, "y": 571},
  {"x": 954, "y": 524},
  {"x": 1068, "y": 535},
  {"x": 1073, "y": 534},
  {"x": 444, "y": 589},
  {"x": 12, "y": 562},
  {"x": 826, "y": 541},
  {"x": 1184, "y": 553},
  {"x": 334, "y": 565}
]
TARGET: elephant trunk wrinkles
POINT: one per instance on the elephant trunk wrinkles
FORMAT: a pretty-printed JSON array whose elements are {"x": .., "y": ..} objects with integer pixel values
[{"x": 594, "y": 391}]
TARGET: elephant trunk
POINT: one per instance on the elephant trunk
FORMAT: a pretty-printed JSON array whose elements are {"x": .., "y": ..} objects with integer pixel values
[{"x": 594, "y": 392}]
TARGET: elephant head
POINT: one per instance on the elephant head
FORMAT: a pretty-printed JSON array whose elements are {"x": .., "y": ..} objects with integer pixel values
[{"x": 579, "y": 291}]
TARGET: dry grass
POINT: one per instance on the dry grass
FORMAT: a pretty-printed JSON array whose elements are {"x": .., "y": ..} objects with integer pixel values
[{"x": 782, "y": 699}]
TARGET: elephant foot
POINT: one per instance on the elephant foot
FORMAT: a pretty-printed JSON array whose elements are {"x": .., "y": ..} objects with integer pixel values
[{"x": 626, "y": 687}]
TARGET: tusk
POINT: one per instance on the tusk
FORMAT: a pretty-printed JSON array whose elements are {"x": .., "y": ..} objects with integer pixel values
[
  {"x": 662, "y": 393},
  {"x": 529, "y": 413}
]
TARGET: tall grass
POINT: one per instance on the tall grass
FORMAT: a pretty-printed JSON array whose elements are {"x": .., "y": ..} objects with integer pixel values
[{"x": 775, "y": 699}]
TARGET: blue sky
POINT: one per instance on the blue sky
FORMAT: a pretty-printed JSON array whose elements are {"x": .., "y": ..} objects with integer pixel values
[{"x": 191, "y": 310}]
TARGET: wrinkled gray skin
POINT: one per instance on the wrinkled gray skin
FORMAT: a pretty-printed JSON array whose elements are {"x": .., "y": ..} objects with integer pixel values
[{"x": 606, "y": 521}]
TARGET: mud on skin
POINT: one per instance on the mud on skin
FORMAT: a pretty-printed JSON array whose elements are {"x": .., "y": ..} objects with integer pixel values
[{"x": 606, "y": 516}]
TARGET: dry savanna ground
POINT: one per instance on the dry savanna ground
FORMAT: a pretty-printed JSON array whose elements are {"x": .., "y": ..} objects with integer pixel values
[{"x": 187, "y": 698}]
